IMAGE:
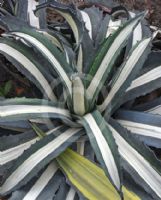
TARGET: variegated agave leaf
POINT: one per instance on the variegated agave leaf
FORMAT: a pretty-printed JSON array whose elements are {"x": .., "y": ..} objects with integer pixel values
[
  {"x": 24, "y": 10},
  {"x": 72, "y": 74}
]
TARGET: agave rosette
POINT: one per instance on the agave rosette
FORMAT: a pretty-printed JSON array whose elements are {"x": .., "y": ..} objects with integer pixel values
[{"x": 86, "y": 83}]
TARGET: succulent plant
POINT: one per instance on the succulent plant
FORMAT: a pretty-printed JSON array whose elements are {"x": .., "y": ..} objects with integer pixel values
[{"x": 90, "y": 70}]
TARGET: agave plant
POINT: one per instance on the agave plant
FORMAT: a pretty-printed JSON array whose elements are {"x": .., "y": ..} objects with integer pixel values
[{"x": 89, "y": 84}]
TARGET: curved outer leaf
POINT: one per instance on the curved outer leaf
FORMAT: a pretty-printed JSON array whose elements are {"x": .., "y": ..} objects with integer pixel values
[
  {"x": 89, "y": 179},
  {"x": 17, "y": 144},
  {"x": 40, "y": 184},
  {"x": 144, "y": 84},
  {"x": 144, "y": 125},
  {"x": 132, "y": 186},
  {"x": 107, "y": 56},
  {"x": 69, "y": 13},
  {"x": 127, "y": 73},
  {"x": 103, "y": 145},
  {"x": 137, "y": 34},
  {"x": 27, "y": 110},
  {"x": 51, "y": 53},
  {"x": 35, "y": 158},
  {"x": 44, "y": 186},
  {"x": 75, "y": 20},
  {"x": 17, "y": 52},
  {"x": 140, "y": 162},
  {"x": 140, "y": 32}
]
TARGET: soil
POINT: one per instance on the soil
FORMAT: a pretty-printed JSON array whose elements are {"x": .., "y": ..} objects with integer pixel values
[{"x": 154, "y": 7}]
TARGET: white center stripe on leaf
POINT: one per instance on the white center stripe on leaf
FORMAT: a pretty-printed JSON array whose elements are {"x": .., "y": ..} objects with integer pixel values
[
  {"x": 125, "y": 72},
  {"x": 80, "y": 59},
  {"x": 13, "y": 153},
  {"x": 105, "y": 150},
  {"x": 108, "y": 58},
  {"x": 113, "y": 26},
  {"x": 71, "y": 194},
  {"x": 11, "y": 110},
  {"x": 28, "y": 165},
  {"x": 156, "y": 110},
  {"x": 42, "y": 182},
  {"x": 137, "y": 34},
  {"x": 49, "y": 55},
  {"x": 33, "y": 20},
  {"x": 72, "y": 24},
  {"x": 139, "y": 164},
  {"x": 142, "y": 129},
  {"x": 87, "y": 21},
  {"x": 30, "y": 67},
  {"x": 146, "y": 78}
]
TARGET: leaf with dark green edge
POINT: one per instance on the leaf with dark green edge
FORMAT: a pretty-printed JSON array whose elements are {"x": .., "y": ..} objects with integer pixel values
[
  {"x": 132, "y": 186},
  {"x": 140, "y": 32},
  {"x": 44, "y": 186},
  {"x": 125, "y": 75},
  {"x": 28, "y": 101},
  {"x": 92, "y": 18},
  {"x": 62, "y": 43},
  {"x": 119, "y": 15},
  {"x": 12, "y": 111},
  {"x": 51, "y": 53},
  {"x": 143, "y": 125},
  {"x": 104, "y": 61},
  {"x": 37, "y": 157},
  {"x": 88, "y": 178},
  {"x": 70, "y": 14},
  {"x": 21, "y": 55},
  {"x": 75, "y": 20},
  {"x": 104, "y": 146},
  {"x": 28, "y": 112},
  {"x": 139, "y": 160},
  {"x": 39, "y": 55},
  {"x": 144, "y": 84},
  {"x": 11, "y": 151},
  {"x": 10, "y": 141}
]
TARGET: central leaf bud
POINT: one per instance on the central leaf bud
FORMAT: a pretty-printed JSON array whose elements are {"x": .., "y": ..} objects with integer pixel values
[{"x": 78, "y": 95}]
